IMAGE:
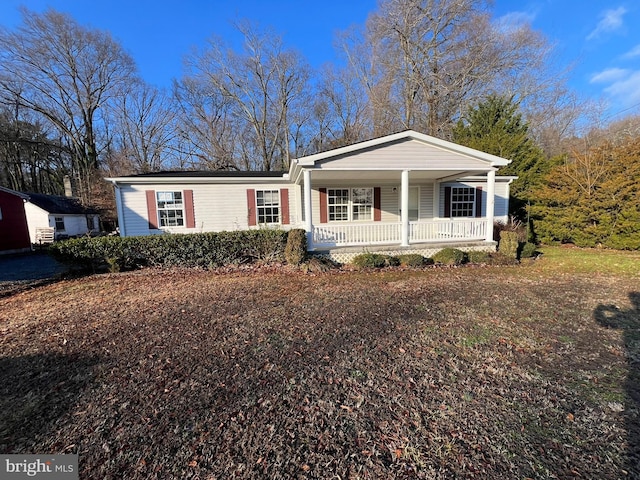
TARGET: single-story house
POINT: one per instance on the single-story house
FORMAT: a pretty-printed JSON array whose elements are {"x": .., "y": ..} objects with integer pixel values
[
  {"x": 66, "y": 215},
  {"x": 406, "y": 192},
  {"x": 14, "y": 232}
]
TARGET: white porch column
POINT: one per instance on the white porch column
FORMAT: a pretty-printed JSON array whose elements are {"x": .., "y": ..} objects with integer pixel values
[
  {"x": 436, "y": 199},
  {"x": 491, "y": 196},
  {"x": 404, "y": 208},
  {"x": 308, "y": 221}
]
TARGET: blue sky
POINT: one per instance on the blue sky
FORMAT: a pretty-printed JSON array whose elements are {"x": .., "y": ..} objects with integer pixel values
[{"x": 600, "y": 40}]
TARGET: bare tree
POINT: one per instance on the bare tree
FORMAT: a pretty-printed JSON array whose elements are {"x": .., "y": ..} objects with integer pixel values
[
  {"x": 346, "y": 107},
  {"x": 206, "y": 130},
  {"x": 145, "y": 128},
  {"x": 67, "y": 74},
  {"x": 430, "y": 59},
  {"x": 261, "y": 87}
]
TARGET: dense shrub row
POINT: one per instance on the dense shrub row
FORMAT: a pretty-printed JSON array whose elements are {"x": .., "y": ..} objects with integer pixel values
[
  {"x": 211, "y": 250},
  {"x": 446, "y": 256},
  {"x": 207, "y": 250}
]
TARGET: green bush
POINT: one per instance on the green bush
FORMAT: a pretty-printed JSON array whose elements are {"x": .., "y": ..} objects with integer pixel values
[
  {"x": 370, "y": 260},
  {"x": 508, "y": 243},
  {"x": 296, "y": 250},
  {"x": 411, "y": 260},
  {"x": 478, "y": 257},
  {"x": 449, "y": 256},
  {"x": 208, "y": 250},
  {"x": 391, "y": 261},
  {"x": 527, "y": 250}
]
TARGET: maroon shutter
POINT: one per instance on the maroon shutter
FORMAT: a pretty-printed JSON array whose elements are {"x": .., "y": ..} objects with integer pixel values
[
  {"x": 188, "y": 209},
  {"x": 323, "y": 205},
  {"x": 478, "y": 202},
  {"x": 447, "y": 201},
  {"x": 284, "y": 206},
  {"x": 252, "y": 218},
  {"x": 152, "y": 212},
  {"x": 377, "y": 212}
]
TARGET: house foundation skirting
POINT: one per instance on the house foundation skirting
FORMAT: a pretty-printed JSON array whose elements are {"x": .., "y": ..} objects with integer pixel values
[{"x": 346, "y": 254}]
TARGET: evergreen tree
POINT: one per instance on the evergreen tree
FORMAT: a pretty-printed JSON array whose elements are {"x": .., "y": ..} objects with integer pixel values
[
  {"x": 592, "y": 199},
  {"x": 496, "y": 126}
]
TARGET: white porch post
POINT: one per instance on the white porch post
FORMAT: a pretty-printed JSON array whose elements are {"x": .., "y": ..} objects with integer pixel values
[
  {"x": 436, "y": 199},
  {"x": 404, "y": 208},
  {"x": 491, "y": 195},
  {"x": 308, "y": 221}
]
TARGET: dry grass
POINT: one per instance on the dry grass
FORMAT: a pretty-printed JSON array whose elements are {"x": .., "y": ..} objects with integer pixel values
[{"x": 512, "y": 372}]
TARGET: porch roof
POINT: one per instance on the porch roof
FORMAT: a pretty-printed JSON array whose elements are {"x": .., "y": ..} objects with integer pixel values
[{"x": 420, "y": 150}]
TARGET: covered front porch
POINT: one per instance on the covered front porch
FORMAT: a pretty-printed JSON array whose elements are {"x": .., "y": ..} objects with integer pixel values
[
  {"x": 396, "y": 218},
  {"x": 401, "y": 190}
]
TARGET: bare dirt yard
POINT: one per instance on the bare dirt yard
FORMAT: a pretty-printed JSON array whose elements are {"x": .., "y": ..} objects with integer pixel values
[{"x": 492, "y": 373}]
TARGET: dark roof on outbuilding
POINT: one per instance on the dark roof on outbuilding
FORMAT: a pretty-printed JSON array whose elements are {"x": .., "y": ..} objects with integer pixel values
[
  {"x": 210, "y": 173},
  {"x": 59, "y": 204}
]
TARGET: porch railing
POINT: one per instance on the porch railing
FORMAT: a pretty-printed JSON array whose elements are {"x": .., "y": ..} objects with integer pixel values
[
  {"x": 356, "y": 234},
  {"x": 445, "y": 230},
  {"x": 448, "y": 229}
]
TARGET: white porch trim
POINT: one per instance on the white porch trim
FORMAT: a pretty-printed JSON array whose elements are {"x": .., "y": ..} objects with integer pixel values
[
  {"x": 308, "y": 220},
  {"x": 364, "y": 234},
  {"x": 404, "y": 207},
  {"x": 491, "y": 194}
]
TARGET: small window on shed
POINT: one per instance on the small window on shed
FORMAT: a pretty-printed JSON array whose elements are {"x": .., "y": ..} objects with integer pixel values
[{"x": 59, "y": 224}]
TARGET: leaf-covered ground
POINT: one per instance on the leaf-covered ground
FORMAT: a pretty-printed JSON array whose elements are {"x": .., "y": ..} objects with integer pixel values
[{"x": 443, "y": 373}]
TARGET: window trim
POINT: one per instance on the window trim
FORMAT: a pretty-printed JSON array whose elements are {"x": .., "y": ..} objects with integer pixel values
[
  {"x": 160, "y": 209},
  {"x": 278, "y": 204},
  {"x": 471, "y": 205},
  {"x": 350, "y": 205}
]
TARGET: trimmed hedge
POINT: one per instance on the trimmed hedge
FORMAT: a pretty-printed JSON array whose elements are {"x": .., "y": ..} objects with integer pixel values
[
  {"x": 208, "y": 250},
  {"x": 508, "y": 243},
  {"x": 375, "y": 260},
  {"x": 296, "y": 250},
  {"x": 411, "y": 260},
  {"x": 478, "y": 257},
  {"x": 449, "y": 256}
]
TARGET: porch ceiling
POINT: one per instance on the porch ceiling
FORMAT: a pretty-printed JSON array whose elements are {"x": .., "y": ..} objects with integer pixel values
[{"x": 385, "y": 176}]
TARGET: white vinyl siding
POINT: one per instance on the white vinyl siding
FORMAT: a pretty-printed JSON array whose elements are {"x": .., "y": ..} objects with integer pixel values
[
  {"x": 501, "y": 204},
  {"x": 406, "y": 154},
  {"x": 217, "y": 207},
  {"x": 389, "y": 200}
]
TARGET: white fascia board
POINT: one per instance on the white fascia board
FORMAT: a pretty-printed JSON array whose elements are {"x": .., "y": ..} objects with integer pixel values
[
  {"x": 409, "y": 134},
  {"x": 499, "y": 178},
  {"x": 117, "y": 181}
]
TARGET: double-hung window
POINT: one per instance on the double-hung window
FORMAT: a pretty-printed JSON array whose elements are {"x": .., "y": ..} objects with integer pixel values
[
  {"x": 59, "y": 224},
  {"x": 463, "y": 201},
  {"x": 268, "y": 206},
  {"x": 350, "y": 204},
  {"x": 338, "y": 204},
  {"x": 170, "y": 209}
]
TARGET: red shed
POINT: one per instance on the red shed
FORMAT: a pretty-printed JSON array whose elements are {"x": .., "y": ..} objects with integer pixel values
[{"x": 14, "y": 232}]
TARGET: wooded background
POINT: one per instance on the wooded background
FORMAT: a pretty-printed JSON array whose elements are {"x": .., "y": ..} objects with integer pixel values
[{"x": 72, "y": 103}]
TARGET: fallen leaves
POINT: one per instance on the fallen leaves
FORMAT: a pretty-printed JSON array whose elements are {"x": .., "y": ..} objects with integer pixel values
[{"x": 271, "y": 375}]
